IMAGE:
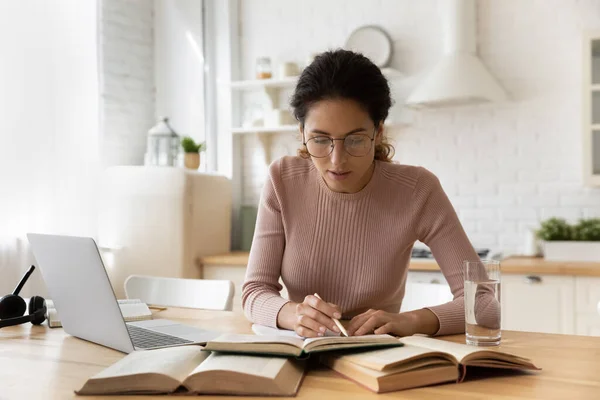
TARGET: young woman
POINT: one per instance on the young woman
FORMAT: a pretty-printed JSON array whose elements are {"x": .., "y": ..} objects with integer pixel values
[{"x": 340, "y": 219}]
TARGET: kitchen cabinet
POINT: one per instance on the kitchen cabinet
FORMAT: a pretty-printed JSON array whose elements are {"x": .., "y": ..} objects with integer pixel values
[
  {"x": 564, "y": 301},
  {"x": 538, "y": 303},
  {"x": 564, "y": 304},
  {"x": 591, "y": 108},
  {"x": 588, "y": 325},
  {"x": 424, "y": 289},
  {"x": 587, "y": 297},
  {"x": 236, "y": 274}
]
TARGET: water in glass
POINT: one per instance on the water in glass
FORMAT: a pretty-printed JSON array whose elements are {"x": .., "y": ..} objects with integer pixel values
[{"x": 482, "y": 303}]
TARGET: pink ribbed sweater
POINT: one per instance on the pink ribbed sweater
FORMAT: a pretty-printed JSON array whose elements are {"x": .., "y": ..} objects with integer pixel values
[{"x": 353, "y": 249}]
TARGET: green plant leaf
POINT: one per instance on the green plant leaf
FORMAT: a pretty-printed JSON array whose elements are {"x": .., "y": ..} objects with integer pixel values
[
  {"x": 587, "y": 230},
  {"x": 555, "y": 229},
  {"x": 190, "y": 146}
]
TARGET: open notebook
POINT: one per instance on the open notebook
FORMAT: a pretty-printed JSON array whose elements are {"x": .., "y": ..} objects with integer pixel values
[
  {"x": 292, "y": 346},
  {"x": 263, "y": 330},
  {"x": 421, "y": 361}
]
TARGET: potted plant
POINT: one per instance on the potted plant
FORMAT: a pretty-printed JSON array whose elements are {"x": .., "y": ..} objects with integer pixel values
[
  {"x": 565, "y": 242},
  {"x": 192, "y": 152}
]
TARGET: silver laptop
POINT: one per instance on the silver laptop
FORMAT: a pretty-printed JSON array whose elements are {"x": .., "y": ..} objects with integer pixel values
[{"x": 78, "y": 284}]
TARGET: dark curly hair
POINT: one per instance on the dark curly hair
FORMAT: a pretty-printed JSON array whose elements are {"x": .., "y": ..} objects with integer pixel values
[{"x": 343, "y": 74}]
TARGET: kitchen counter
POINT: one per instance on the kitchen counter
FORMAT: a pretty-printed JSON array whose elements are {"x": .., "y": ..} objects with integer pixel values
[{"x": 511, "y": 265}]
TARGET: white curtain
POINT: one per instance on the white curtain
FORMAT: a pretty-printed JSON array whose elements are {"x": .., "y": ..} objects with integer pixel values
[{"x": 49, "y": 160}]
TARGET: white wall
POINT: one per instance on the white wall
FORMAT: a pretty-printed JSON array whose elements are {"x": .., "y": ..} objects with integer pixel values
[
  {"x": 505, "y": 167},
  {"x": 179, "y": 65},
  {"x": 151, "y": 66},
  {"x": 48, "y": 127},
  {"x": 126, "y": 38}
]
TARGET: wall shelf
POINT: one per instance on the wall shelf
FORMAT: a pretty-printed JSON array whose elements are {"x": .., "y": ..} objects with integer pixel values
[
  {"x": 591, "y": 109},
  {"x": 272, "y": 88},
  {"x": 290, "y": 82}
]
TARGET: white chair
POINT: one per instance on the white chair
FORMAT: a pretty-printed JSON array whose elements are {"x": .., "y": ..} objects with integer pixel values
[{"x": 178, "y": 292}]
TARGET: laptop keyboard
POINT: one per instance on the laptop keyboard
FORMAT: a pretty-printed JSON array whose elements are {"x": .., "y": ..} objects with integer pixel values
[{"x": 146, "y": 339}]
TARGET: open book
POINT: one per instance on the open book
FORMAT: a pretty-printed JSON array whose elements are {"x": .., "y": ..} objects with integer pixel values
[
  {"x": 190, "y": 370},
  {"x": 132, "y": 310},
  {"x": 291, "y": 346},
  {"x": 270, "y": 331},
  {"x": 421, "y": 361}
]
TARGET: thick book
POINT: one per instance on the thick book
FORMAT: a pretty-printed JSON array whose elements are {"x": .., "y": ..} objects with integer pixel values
[
  {"x": 190, "y": 370},
  {"x": 422, "y": 361},
  {"x": 132, "y": 310},
  {"x": 297, "y": 347}
]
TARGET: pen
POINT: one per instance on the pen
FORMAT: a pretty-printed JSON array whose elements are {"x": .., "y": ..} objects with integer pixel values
[{"x": 337, "y": 322}]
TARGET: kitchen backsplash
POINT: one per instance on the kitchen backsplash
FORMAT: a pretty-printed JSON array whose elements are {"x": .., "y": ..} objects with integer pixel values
[{"x": 504, "y": 166}]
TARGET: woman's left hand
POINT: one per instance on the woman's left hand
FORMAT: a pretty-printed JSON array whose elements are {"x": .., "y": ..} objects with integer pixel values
[{"x": 404, "y": 324}]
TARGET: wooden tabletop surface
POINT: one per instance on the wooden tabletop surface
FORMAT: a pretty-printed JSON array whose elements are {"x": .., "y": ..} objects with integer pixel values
[
  {"x": 510, "y": 265},
  {"x": 37, "y": 362}
]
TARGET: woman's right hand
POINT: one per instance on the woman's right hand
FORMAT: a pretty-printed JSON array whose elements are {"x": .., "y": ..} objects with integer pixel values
[{"x": 311, "y": 318}]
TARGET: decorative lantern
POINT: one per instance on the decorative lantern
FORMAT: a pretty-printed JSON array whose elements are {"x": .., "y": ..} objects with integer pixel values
[{"x": 163, "y": 145}]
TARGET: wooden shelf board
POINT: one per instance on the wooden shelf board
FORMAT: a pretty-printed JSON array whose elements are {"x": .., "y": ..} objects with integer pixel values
[
  {"x": 389, "y": 73},
  {"x": 265, "y": 129},
  {"x": 511, "y": 265},
  {"x": 261, "y": 83}
]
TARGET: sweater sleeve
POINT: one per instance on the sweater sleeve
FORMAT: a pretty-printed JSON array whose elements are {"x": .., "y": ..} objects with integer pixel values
[
  {"x": 261, "y": 300},
  {"x": 438, "y": 226}
]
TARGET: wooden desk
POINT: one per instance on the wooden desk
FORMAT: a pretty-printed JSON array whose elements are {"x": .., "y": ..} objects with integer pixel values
[{"x": 43, "y": 363}]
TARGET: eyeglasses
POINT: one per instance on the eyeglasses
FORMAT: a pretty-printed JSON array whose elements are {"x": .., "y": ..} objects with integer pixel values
[{"x": 355, "y": 144}]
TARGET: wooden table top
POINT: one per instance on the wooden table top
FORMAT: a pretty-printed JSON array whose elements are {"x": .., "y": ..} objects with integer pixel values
[
  {"x": 37, "y": 362},
  {"x": 510, "y": 265}
]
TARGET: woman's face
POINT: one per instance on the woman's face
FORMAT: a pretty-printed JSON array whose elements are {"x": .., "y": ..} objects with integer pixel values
[{"x": 337, "y": 119}]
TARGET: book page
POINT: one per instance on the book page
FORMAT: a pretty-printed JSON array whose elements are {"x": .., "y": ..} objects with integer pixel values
[
  {"x": 350, "y": 339},
  {"x": 383, "y": 359},
  {"x": 267, "y": 367},
  {"x": 462, "y": 351},
  {"x": 175, "y": 362},
  {"x": 135, "y": 310},
  {"x": 470, "y": 355},
  {"x": 459, "y": 351},
  {"x": 320, "y": 341},
  {"x": 242, "y": 338},
  {"x": 269, "y": 331}
]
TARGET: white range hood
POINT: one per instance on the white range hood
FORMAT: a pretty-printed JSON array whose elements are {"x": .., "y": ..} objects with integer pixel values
[{"x": 459, "y": 78}]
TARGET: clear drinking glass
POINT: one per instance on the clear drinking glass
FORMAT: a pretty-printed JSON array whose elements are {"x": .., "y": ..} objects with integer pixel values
[{"x": 482, "y": 302}]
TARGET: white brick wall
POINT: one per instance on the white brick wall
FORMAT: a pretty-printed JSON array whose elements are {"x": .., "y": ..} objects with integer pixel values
[
  {"x": 505, "y": 166},
  {"x": 126, "y": 41}
]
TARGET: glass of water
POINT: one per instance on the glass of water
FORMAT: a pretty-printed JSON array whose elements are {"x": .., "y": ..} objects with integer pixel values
[{"x": 482, "y": 302}]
